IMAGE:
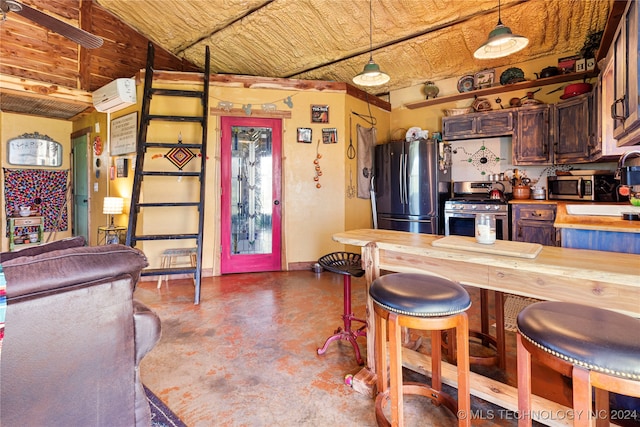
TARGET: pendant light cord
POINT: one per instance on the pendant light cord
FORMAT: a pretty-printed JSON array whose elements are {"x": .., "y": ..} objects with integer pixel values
[
  {"x": 499, "y": 19},
  {"x": 370, "y": 31}
]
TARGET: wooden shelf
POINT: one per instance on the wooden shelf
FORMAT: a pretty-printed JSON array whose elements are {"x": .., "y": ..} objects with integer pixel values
[{"x": 502, "y": 88}]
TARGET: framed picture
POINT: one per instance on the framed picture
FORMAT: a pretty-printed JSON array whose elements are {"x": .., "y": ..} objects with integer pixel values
[
  {"x": 330, "y": 136},
  {"x": 484, "y": 79},
  {"x": 304, "y": 135},
  {"x": 319, "y": 114},
  {"x": 122, "y": 166},
  {"x": 123, "y": 134}
]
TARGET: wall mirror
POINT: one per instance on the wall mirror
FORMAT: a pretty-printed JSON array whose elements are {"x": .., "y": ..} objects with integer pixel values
[{"x": 34, "y": 149}]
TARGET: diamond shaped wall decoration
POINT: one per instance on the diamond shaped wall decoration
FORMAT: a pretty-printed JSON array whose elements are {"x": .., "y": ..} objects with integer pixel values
[{"x": 180, "y": 156}]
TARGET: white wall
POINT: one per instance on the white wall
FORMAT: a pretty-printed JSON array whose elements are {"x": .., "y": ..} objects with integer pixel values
[{"x": 467, "y": 165}]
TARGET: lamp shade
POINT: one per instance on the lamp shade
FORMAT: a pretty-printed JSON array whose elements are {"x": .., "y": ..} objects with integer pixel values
[
  {"x": 371, "y": 75},
  {"x": 113, "y": 205},
  {"x": 502, "y": 42}
]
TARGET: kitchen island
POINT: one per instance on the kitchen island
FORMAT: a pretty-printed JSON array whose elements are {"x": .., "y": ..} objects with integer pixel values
[{"x": 602, "y": 279}]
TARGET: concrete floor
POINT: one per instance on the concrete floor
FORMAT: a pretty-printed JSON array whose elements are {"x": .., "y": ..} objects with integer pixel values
[{"x": 246, "y": 356}]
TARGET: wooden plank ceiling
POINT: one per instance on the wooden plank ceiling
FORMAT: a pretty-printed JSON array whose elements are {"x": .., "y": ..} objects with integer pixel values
[{"x": 413, "y": 40}]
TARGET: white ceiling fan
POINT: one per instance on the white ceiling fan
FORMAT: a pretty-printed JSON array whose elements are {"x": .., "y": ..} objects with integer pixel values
[{"x": 78, "y": 35}]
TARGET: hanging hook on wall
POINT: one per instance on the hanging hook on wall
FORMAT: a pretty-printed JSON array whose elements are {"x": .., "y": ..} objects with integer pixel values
[{"x": 351, "y": 151}]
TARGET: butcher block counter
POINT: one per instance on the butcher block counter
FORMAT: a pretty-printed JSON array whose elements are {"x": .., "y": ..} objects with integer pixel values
[
  {"x": 594, "y": 222},
  {"x": 603, "y": 279}
]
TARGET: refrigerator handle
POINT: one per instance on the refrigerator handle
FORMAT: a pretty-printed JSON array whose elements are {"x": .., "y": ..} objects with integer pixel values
[
  {"x": 400, "y": 181},
  {"x": 404, "y": 176}
]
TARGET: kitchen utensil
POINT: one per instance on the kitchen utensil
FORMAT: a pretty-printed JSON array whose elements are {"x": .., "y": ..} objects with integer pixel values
[
  {"x": 548, "y": 72},
  {"x": 576, "y": 89},
  {"x": 515, "y": 102},
  {"x": 521, "y": 192},
  {"x": 497, "y": 193},
  {"x": 538, "y": 193},
  {"x": 457, "y": 111},
  {"x": 481, "y": 104},
  {"x": 431, "y": 90}
]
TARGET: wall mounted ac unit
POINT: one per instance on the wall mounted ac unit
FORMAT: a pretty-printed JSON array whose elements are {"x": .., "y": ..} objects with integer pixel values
[{"x": 115, "y": 96}]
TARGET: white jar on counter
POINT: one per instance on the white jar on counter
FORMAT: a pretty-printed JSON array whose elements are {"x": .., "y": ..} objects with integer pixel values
[{"x": 485, "y": 229}]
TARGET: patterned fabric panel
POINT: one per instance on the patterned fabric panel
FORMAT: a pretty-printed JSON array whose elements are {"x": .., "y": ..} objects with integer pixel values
[{"x": 45, "y": 191}]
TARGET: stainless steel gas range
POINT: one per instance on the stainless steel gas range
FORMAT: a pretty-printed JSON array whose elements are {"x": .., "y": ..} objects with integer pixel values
[{"x": 471, "y": 198}]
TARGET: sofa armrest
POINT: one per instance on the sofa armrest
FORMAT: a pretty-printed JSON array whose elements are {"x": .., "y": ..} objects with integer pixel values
[{"x": 147, "y": 329}]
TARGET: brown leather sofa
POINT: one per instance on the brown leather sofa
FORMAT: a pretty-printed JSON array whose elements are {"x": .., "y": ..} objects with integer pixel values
[{"x": 74, "y": 337}]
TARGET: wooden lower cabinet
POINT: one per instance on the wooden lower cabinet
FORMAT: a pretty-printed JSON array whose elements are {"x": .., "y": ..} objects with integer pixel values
[{"x": 533, "y": 223}]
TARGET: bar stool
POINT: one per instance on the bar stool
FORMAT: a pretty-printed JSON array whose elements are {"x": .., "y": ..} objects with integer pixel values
[
  {"x": 596, "y": 347},
  {"x": 419, "y": 301},
  {"x": 348, "y": 264}
]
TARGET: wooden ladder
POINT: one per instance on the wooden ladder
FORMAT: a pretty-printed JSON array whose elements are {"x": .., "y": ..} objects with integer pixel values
[{"x": 142, "y": 172}]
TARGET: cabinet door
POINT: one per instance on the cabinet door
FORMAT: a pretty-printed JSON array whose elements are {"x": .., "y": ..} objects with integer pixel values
[
  {"x": 533, "y": 223},
  {"x": 543, "y": 233},
  {"x": 458, "y": 127},
  {"x": 625, "y": 51},
  {"x": 495, "y": 124},
  {"x": 531, "y": 140},
  {"x": 572, "y": 130},
  {"x": 608, "y": 148}
]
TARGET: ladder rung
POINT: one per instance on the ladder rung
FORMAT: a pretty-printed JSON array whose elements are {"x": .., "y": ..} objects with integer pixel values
[
  {"x": 193, "y": 119},
  {"x": 167, "y": 236},
  {"x": 177, "y": 92},
  {"x": 171, "y": 145},
  {"x": 170, "y": 204},
  {"x": 169, "y": 173},
  {"x": 167, "y": 271}
]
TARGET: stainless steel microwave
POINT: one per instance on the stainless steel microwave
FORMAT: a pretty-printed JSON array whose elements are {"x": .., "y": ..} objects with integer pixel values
[{"x": 596, "y": 186}]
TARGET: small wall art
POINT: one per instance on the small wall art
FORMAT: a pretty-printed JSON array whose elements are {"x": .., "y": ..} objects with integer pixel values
[
  {"x": 304, "y": 135},
  {"x": 319, "y": 114},
  {"x": 330, "y": 136},
  {"x": 122, "y": 167},
  {"x": 484, "y": 79}
]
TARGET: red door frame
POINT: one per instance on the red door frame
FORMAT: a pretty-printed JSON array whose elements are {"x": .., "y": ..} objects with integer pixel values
[{"x": 230, "y": 263}]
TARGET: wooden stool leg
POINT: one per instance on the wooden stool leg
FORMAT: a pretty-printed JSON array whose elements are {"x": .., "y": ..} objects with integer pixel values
[
  {"x": 524, "y": 384},
  {"x": 381, "y": 353},
  {"x": 395, "y": 362},
  {"x": 581, "y": 397},
  {"x": 436, "y": 359},
  {"x": 464, "y": 388},
  {"x": 602, "y": 407}
]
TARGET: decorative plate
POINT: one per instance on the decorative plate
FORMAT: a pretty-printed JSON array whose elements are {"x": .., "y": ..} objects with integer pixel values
[
  {"x": 511, "y": 75},
  {"x": 465, "y": 84}
]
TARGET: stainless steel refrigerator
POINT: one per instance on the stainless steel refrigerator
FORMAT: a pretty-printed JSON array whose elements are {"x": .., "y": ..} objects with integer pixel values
[{"x": 411, "y": 183}]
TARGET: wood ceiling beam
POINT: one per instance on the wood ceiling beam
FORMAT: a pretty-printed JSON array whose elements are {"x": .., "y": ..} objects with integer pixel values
[{"x": 32, "y": 88}]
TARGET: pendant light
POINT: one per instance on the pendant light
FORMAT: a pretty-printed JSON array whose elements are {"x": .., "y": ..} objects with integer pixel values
[
  {"x": 371, "y": 75},
  {"x": 502, "y": 42}
]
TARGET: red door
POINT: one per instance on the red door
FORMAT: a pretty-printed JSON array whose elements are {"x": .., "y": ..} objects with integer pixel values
[{"x": 251, "y": 189}]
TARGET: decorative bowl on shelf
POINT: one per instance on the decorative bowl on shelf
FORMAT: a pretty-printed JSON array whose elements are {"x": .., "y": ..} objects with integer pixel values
[
  {"x": 24, "y": 210},
  {"x": 457, "y": 111}
]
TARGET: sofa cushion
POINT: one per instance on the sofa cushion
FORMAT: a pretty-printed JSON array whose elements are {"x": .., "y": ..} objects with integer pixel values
[{"x": 70, "y": 242}]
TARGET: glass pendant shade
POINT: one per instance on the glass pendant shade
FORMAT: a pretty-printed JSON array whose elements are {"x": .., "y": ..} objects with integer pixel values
[
  {"x": 502, "y": 42},
  {"x": 371, "y": 75}
]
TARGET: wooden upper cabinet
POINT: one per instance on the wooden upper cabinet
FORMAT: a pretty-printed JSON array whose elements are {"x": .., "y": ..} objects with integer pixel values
[
  {"x": 477, "y": 125},
  {"x": 624, "y": 109},
  {"x": 572, "y": 130},
  {"x": 531, "y": 141}
]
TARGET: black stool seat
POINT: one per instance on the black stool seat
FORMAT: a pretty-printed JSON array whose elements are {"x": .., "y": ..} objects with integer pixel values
[
  {"x": 411, "y": 295},
  {"x": 342, "y": 263},
  {"x": 594, "y": 338}
]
